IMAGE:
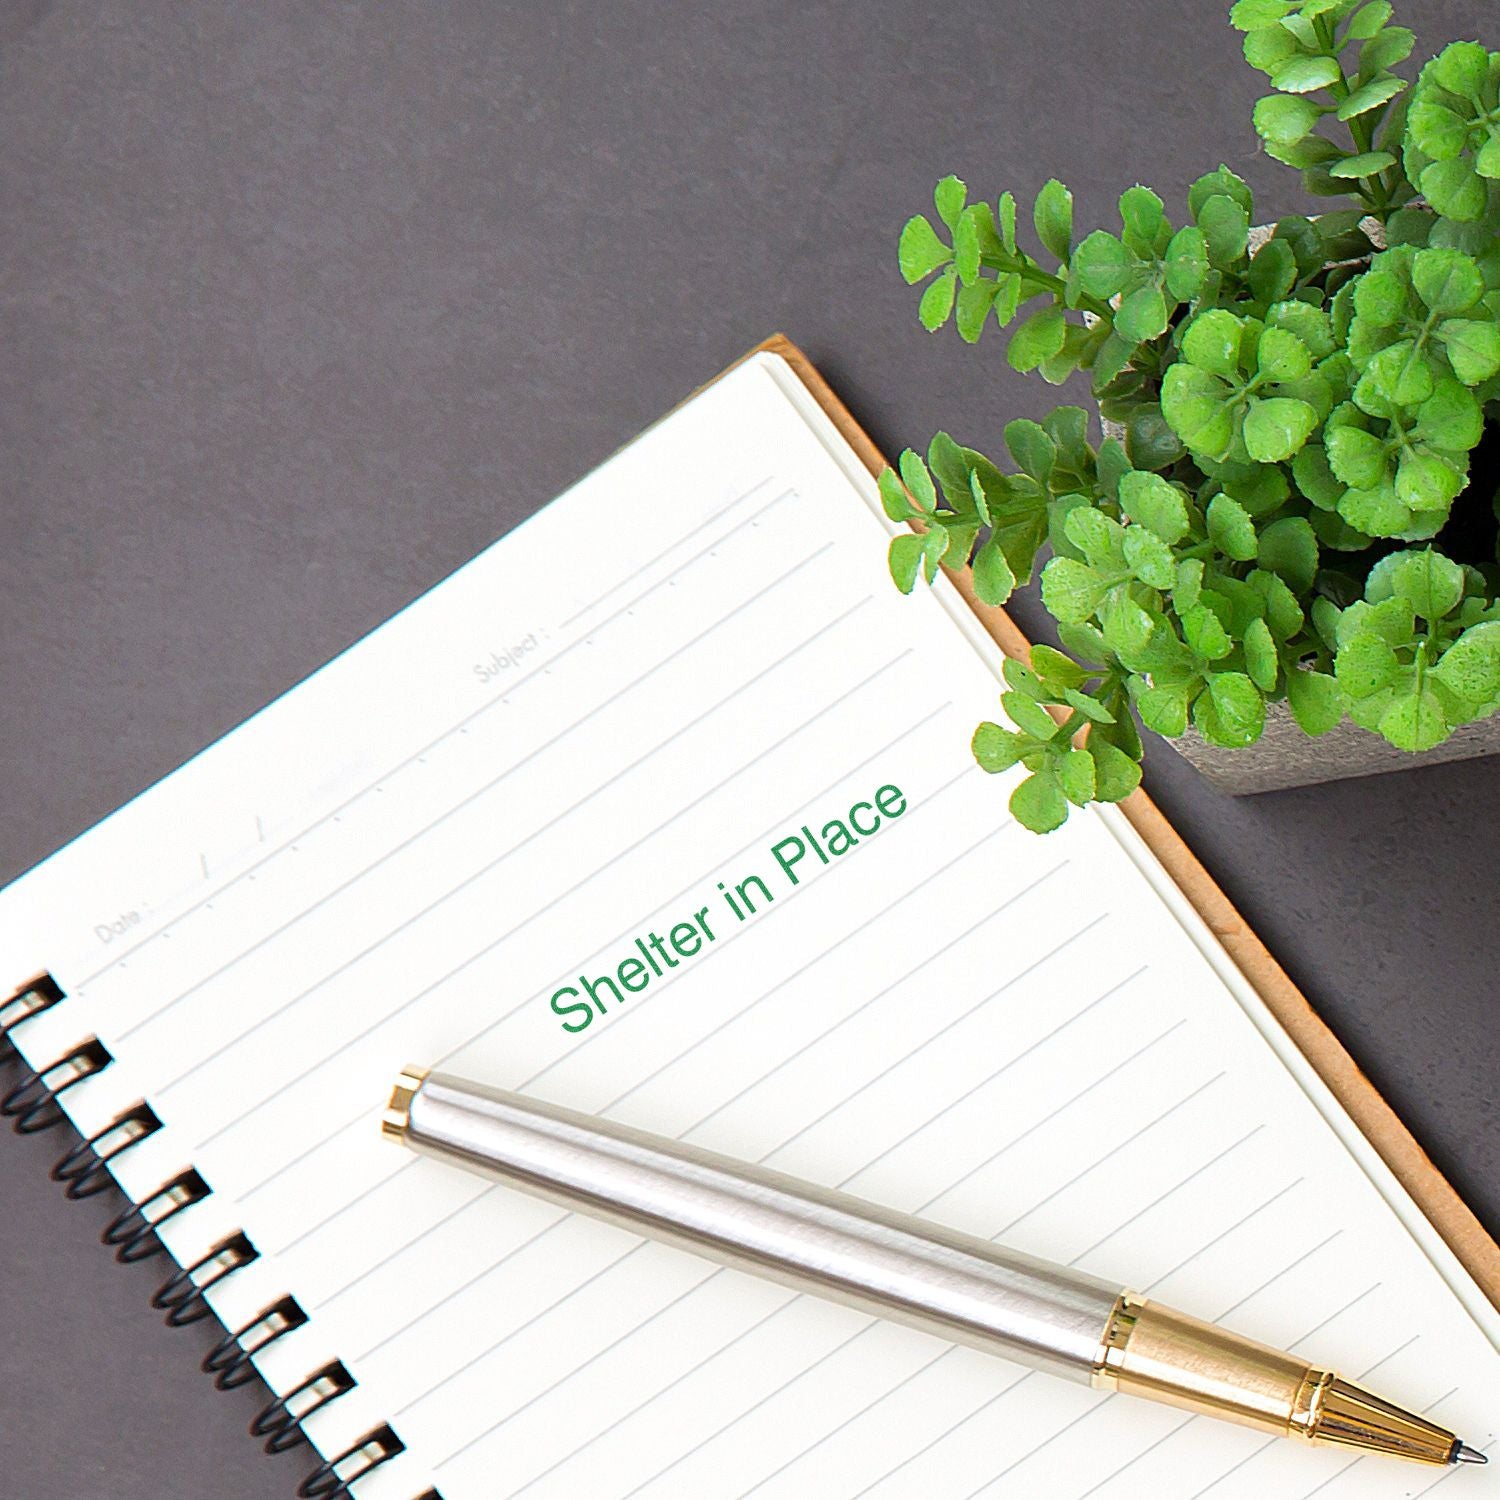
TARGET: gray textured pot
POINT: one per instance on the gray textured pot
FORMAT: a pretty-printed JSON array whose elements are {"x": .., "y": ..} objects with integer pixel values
[{"x": 1284, "y": 756}]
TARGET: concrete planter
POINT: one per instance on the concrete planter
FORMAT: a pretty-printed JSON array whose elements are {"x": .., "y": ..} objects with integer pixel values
[{"x": 1284, "y": 756}]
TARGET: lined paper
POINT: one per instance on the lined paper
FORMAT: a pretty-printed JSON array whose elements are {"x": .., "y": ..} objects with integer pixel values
[{"x": 1026, "y": 1038}]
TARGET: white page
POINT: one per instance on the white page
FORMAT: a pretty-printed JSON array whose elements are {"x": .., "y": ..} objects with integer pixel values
[{"x": 1023, "y": 1037}]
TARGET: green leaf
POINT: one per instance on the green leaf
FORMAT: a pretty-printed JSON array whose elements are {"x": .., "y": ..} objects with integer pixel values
[
  {"x": 1281, "y": 355},
  {"x": 1371, "y": 96},
  {"x": 1186, "y": 263},
  {"x": 1470, "y": 667},
  {"x": 935, "y": 541},
  {"x": 1126, "y": 625},
  {"x": 1056, "y": 669},
  {"x": 1251, "y": 15},
  {"x": 1276, "y": 428},
  {"x": 1189, "y": 584},
  {"x": 1071, "y": 590},
  {"x": 1431, "y": 583},
  {"x": 1285, "y": 118},
  {"x": 1473, "y": 348},
  {"x": 1197, "y": 405},
  {"x": 1142, "y": 314},
  {"x": 1315, "y": 699},
  {"x": 1391, "y": 45},
  {"x": 1150, "y": 442},
  {"x": 1150, "y": 501},
  {"x": 937, "y": 301},
  {"x": 1075, "y": 774},
  {"x": 1448, "y": 281},
  {"x": 1451, "y": 417},
  {"x": 918, "y": 481},
  {"x": 994, "y": 581},
  {"x": 893, "y": 497},
  {"x": 1282, "y": 612},
  {"x": 1232, "y": 530},
  {"x": 974, "y": 304},
  {"x": 1031, "y": 448},
  {"x": 1357, "y": 457},
  {"x": 997, "y": 749},
  {"x": 905, "y": 561},
  {"x": 1212, "y": 343},
  {"x": 1261, "y": 659},
  {"x": 1164, "y": 709},
  {"x": 1366, "y": 164},
  {"x": 1053, "y": 217},
  {"x": 1226, "y": 228},
  {"x": 1368, "y": 20},
  {"x": 1365, "y": 665},
  {"x": 1302, "y": 75},
  {"x": 1091, "y": 708},
  {"x": 1289, "y": 549},
  {"x": 1029, "y": 716},
  {"x": 1273, "y": 271},
  {"x": 1205, "y": 636},
  {"x": 1149, "y": 558},
  {"x": 1006, "y": 210},
  {"x": 1116, "y": 774},
  {"x": 1038, "y": 803},
  {"x": 1037, "y": 339},
  {"x": 920, "y": 252},
  {"x": 1462, "y": 68},
  {"x": 1454, "y": 189},
  {"x": 1427, "y": 481},
  {"x": 949, "y": 198},
  {"x": 1238, "y": 706},
  {"x": 1100, "y": 265},
  {"x": 1142, "y": 219},
  {"x": 1415, "y": 721}
]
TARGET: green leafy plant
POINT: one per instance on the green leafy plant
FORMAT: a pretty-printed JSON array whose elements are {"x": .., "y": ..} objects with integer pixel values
[{"x": 1287, "y": 506}]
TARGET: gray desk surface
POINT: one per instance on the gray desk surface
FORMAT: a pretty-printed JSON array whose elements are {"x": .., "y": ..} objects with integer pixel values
[{"x": 303, "y": 305}]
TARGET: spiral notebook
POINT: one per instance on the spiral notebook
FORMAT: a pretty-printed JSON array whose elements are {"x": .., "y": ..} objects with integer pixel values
[{"x": 685, "y": 695}]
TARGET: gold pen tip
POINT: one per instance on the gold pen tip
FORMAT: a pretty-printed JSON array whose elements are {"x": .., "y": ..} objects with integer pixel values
[
  {"x": 397, "y": 1116},
  {"x": 1464, "y": 1454}
]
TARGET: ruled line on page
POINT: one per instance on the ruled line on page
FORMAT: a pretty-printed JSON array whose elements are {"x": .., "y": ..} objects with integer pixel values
[
  {"x": 580, "y": 722},
  {"x": 431, "y": 745},
  {"x": 1002, "y": 1068},
  {"x": 989, "y": 916},
  {"x": 514, "y": 849},
  {"x": 566, "y": 813},
  {"x": 692, "y": 885},
  {"x": 672, "y": 546},
  {"x": 755, "y": 843},
  {"x": 870, "y": 1327},
  {"x": 811, "y": 963},
  {"x": 1115, "y": 1070}
]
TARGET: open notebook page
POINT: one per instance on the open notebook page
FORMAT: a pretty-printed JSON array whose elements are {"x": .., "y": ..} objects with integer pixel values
[{"x": 568, "y": 745}]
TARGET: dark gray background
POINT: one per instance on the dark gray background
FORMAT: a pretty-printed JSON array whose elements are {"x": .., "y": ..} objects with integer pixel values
[{"x": 303, "y": 305}]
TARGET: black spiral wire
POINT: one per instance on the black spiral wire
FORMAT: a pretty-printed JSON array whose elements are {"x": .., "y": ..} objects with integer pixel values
[{"x": 134, "y": 1234}]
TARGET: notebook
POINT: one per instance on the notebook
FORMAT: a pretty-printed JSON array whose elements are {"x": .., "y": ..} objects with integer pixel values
[{"x": 685, "y": 697}]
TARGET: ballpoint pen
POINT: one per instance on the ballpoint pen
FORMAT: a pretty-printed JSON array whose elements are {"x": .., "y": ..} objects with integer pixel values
[{"x": 954, "y": 1285}]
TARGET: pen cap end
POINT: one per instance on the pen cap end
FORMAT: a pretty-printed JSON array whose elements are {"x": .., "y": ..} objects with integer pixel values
[{"x": 397, "y": 1116}]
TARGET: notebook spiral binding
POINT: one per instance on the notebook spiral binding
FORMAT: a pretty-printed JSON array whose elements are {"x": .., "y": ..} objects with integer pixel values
[{"x": 32, "y": 1105}]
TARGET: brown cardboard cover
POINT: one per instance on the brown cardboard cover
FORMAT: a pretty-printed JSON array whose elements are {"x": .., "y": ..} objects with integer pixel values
[{"x": 1449, "y": 1214}]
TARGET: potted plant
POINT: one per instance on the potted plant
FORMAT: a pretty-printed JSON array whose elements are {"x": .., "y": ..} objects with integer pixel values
[{"x": 1292, "y": 517}]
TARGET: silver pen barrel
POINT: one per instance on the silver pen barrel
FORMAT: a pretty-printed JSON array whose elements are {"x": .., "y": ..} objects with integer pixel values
[
  {"x": 892, "y": 1265},
  {"x": 814, "y": 1239}
]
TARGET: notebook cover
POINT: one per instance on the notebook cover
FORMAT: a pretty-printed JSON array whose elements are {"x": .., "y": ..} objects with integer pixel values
[{"x": 1382, "y": 1127}]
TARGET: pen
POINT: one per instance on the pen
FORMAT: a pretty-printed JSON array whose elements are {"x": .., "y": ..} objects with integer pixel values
[{"x": 893, "y": 1265}]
